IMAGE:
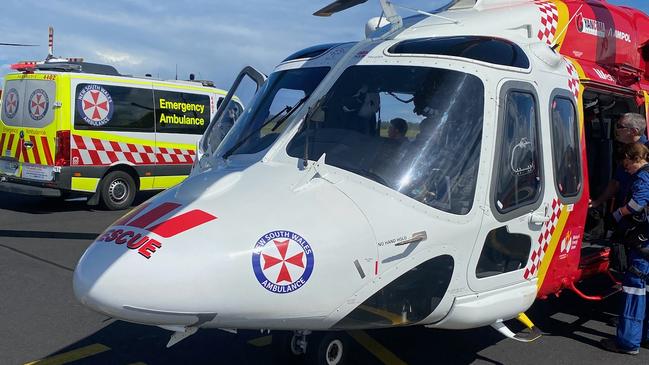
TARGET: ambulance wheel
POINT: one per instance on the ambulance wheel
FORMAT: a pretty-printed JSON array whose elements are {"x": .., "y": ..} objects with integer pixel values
[
  {"x": 117, "y": 190},
  {"x": 285, "y": 349},
  {"x": 328, "y": 348}
]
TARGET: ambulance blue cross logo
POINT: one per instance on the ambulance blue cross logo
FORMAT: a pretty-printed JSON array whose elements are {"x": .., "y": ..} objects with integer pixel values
[
  {"x": 282, "y": 261},
  {"x": 38, "y": 104},
  {"x": 11, "y": 103},
  {"x": 95, "y": 105}
]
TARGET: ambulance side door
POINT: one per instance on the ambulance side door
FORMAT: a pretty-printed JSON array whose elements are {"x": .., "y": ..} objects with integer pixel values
[{"x": 112, "y": 124}]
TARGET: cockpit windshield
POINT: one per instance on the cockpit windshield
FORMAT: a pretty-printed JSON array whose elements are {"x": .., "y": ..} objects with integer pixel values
[
  {"x": 260, "y": 124},
  {"x": 417, "y": 130}
]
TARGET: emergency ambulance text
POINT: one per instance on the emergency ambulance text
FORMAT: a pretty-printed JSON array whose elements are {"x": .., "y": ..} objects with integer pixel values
[
  {"x": 176, "y": 107},
  {"x": 180, "y": 106}
]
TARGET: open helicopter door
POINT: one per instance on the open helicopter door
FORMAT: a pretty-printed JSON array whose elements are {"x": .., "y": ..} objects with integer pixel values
[
  {"x": 520, "y": 211},
  {"x": 223, "y": 120}
]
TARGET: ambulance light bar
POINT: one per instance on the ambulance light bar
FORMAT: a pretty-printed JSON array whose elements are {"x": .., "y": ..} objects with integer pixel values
[
  {"x": 24, "y": 66},
  {"x": 32, "y": 65}
]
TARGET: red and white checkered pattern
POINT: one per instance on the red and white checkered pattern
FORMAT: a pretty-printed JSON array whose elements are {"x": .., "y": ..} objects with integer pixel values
[
  {"x": 549, "y": 21},
  {"x": 94, "y": 151},
  {"x": 543, "y": 242},
  {"x": 174, "y": 156},
  {"x": 573, "y": 82}
]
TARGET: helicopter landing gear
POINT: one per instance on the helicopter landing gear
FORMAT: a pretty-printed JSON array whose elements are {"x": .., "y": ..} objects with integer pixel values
[
  {"x": 328, "y": 348},
  {"x": 289, "y": 347},
  {"x": 319, "y": 348}
]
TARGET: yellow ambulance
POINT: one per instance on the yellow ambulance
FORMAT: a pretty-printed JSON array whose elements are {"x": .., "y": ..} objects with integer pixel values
[{"x": 82, "y": 128}]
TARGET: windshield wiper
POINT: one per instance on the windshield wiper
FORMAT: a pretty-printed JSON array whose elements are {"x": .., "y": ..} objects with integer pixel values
[
  {"x": 307, "y": 120},
  {"x": 278, "y": 118}
]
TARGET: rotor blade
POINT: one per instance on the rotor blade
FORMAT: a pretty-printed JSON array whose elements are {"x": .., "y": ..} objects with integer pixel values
[
  {"x": 18, "y": 45},
  {"x": 337, "y": 6}
]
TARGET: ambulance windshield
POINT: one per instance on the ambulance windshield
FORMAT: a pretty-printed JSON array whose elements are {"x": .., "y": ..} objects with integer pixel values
[
  {"x": 260, "y": 124},
  {"x": 416, "y": 130}
]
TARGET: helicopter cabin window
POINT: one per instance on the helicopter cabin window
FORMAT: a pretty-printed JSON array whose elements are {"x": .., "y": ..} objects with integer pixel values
[
  {"x": 407, "y": 300},
  {"x": 565, "y": 148},
  {"x": 503, "y": 252},
  {"x": 311, "y": 52},
  {"x": 485, "y": 49},
  {"x": 416, "y": 130},
  {"x": 519, "y": 173}
]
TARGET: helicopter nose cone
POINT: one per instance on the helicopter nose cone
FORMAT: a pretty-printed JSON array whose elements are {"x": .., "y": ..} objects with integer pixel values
[
  {"x": 128, "y": 270},
  {"x": 232, "y": 248},
  {"x": 125, "y": 287},
  {"x": 97, "y": 282}
]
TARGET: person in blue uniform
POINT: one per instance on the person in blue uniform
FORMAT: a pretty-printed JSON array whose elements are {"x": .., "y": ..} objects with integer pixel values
[
  {"x": 631, "y": 221},
  {"x": 629, "y": 129}
]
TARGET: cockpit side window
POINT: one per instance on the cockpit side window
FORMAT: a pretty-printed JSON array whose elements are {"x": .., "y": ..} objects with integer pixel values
[
  {"x": 518, "y": 169},
  {"x": 416, "y": 130},
  {"x": 262, "y": 122}
]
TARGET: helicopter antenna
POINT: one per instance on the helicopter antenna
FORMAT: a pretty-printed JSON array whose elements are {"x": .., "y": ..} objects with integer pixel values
[
  {"x": 556, "y": 43},
  {"x": 391, "y": 14}
]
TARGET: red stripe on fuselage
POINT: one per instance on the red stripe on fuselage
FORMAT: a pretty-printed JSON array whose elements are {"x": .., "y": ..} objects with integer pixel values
[
  {"x": 153, "y": 215},
  {"x": 181, "y": 223}
]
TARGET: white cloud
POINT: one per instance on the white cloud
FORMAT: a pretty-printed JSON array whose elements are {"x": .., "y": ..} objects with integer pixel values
[{"x": 118, "y": 58}]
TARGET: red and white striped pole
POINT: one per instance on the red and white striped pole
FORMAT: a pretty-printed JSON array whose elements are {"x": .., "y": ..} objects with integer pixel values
[{"x": 51, "y": 43}]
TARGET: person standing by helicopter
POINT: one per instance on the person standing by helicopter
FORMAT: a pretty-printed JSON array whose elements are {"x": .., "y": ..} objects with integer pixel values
[
  {"x": 629, "y": 129},
  {"x": 631, "y": 223}
]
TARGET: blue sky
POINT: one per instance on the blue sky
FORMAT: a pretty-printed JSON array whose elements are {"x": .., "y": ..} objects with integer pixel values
[{"x": 213, "y": 39}]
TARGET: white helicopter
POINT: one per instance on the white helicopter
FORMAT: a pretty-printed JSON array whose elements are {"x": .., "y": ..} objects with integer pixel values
[{"x": 328, "y": 215}]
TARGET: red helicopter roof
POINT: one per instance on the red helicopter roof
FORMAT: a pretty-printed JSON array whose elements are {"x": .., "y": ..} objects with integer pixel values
[{"x": 611, "y": 42}]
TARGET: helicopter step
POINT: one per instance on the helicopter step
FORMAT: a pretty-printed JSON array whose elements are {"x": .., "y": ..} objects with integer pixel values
[{"x": 533, "y": 334}]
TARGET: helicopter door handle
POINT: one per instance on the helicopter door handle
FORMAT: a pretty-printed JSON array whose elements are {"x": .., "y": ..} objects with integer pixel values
[
  {"x": 28, "y": 144},
  {"x": 540, "y": 217},
  {"x": 416, "y": 237}
]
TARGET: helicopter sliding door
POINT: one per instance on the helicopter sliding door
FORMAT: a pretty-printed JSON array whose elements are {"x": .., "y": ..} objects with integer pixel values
[{"x": 520, "y": 206}]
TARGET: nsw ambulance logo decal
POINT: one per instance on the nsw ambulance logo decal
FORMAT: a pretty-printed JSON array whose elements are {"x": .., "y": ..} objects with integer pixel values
[
  {"x": 282, "y": 261},
  {"x": 95, "y": 105},
  {"x": 11, "y": 103},
  {"x": 38, "y": 104}
]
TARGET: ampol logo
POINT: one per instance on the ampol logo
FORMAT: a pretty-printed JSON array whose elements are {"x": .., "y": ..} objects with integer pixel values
[
  {"x": 95, "y": 105},
  {"x": 135, "y": 230},
  {"x": 282, "y": 261}
]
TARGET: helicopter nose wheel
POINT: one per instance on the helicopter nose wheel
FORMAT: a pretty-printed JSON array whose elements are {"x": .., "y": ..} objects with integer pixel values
[
  {"x": 327, "y": 348},
  {"x": 289, "y": 347},
  {"x": 305, "y": 347}
]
